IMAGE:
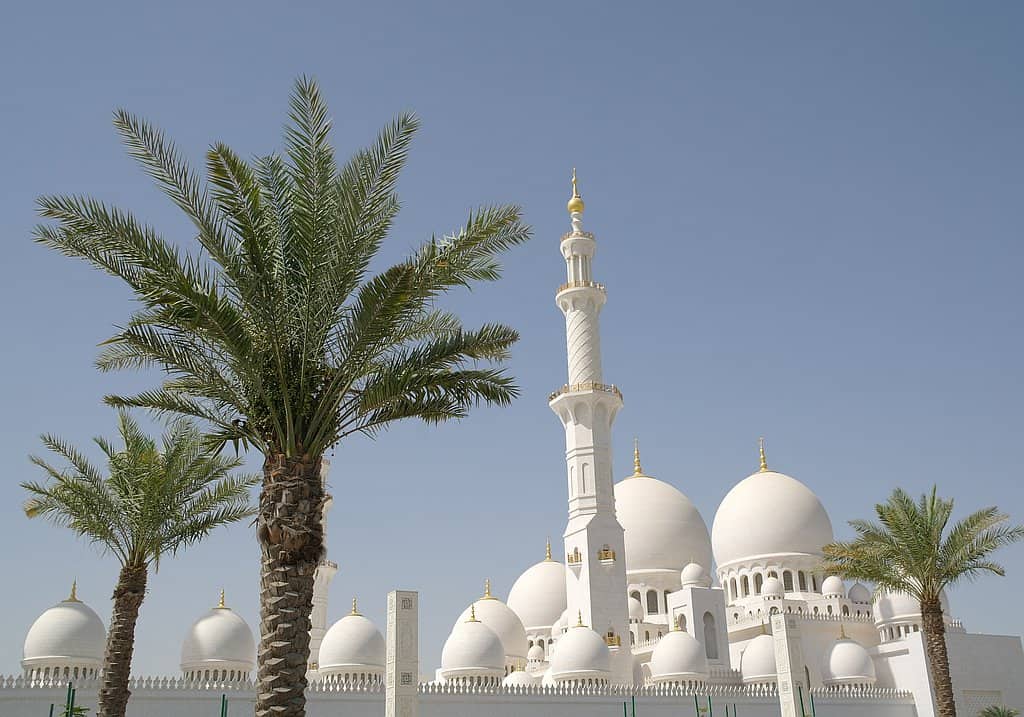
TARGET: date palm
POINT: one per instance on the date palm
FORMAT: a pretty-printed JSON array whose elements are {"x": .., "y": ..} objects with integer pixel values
[
  {"x": 275, "y": 332},
  {"x": 154, "y": 501},
  {"x": 998, "y": 711},
  {"x": 913, "y": 549}
]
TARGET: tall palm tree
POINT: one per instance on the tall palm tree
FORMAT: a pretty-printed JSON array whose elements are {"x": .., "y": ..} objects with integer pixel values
[
  {"x": 912, "y": 549},
  {"x": 155, "y": 500},
  {"x": 274, "y": 331}
]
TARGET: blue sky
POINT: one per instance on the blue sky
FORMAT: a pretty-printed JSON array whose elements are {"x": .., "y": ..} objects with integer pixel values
[{"x": 809, "y": 219}]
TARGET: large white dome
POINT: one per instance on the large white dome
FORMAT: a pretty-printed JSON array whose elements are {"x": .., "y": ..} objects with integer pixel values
[
  {"x": 472, "y": 650},
  {"x": 847, "y": 663},
  {"x": 581, "y": 654},
  {"x": 538, "y": 595},
  {"x": 767, "y": 514},
  {"x": 757, "y": 661},
  {"x": 678, "y": 657},
  {"x": 352, "y": 644},
  {"x": 68, "y": 634},
  {"x": 220, "y": 639},
  {"x": 663, "y": 529},
  {"x": 506, "y": 624}
]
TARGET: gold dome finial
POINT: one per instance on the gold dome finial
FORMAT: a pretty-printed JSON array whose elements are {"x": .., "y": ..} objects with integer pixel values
[
  {"x": 579, "y": 618},
  {"x": 472, "y": 613},
  {"x": 575, "y": 201},
  {"x": 220, "y": 603},
  {"x": 487, "y": 590},
  {"x": 764, "y": 461},
  {"x": 73, "y": 597},
  {"x": 547, "y": 551},
  {"x": 355, "y": 607},
  {"x": 637, "y": 470}
]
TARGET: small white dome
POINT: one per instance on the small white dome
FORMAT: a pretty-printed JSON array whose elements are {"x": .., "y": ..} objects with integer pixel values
[
  {"x": 678, "y": 657},
  {"x": 472, "y": 650},
  {"x": 636, "y": 610},
  {"x": 506, "y": 624},
  {"x": 769, "y": 514},
  {"x": 772, "y": 588},
  {"x": 352, "y": 644},
  {"x": 69, "y": 634},
  {"x": 901, "y": 607},
  {"x": 535, "y": 654},
  {"x": 847, "y": 663},
  {"x": 220, "y": 639},
  {"x": 757, "y": 662},
  {"x": 581, "y": 654},
  {"x": 520, "y": 677},
  {"x": 546, "y": 678},
  {"x": 833, "y": 585},
  {"x": 694, "y": 574},
  {"x": 859, "y": 594},
  {"x": 663, "y": 528},
  {"x": 538, "y": 595}
]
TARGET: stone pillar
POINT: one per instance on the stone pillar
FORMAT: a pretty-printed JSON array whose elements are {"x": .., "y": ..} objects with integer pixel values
[
  {"x": 794, "y": 692},
  {"x": 402, "y": 654}
]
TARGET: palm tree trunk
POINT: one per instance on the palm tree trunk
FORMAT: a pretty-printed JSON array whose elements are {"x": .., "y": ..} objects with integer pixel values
[
  {"x": 938, "y": 659},
  {"x": 117, "y": 662},
  {"x": 290, "y": 533}
]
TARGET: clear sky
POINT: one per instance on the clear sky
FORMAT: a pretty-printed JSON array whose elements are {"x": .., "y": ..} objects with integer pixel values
[{"x": 809, "y": 219}]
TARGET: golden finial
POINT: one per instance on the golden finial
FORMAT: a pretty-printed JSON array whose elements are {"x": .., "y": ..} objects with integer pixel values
[
  {"x": 842, "y": 632},
  {"x": 579, "y": 618},
  {"x": 637, "y": 470},
  {"x": 547, "y": 551},
  {"x": 220, "y": 603},
  {"x": 472, "y": 613},
  {"x": 576, "y": 201},
  {"x": 355, "y": 607},
  {"x": 73, "y": 597},
  {"x": 487, "y": 590},
  {"x": 764, "y": 461}
]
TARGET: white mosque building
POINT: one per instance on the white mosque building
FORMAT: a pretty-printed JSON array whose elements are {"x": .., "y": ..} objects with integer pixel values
[{"x": 648, "y": 604}]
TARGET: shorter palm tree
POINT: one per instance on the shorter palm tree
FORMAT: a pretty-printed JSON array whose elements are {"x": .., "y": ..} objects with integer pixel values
[
  {"x": 154, "y": 501},
  {"x": 913, "y": 550},
  {"x": 998, "y": 711}
]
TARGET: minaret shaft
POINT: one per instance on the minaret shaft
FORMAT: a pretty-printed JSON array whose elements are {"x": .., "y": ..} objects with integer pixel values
[{"x": 594, "y": 543}]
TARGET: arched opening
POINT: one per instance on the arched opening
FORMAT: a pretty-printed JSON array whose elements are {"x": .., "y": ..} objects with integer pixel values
[
  {"x": 846, "y": 610},
  {"x": 814, "y": 582},
  {"x": 802, "y": 577},
  {"x": 540, "y": 643},
  {"x": 828, "y": 609},
  {"x": 647, "y": 635},
  {"x": 773, "y": 574},
  {"x": 758, "y": 582},
  {"x": 732, "y": 588},
  {"x": 787, "y": 581},
  {"x": 710, "y": 637},
  {"x": 666, "y": 601},
  {"x": 744, "y": 586},
  {"x": 652, "y": 602},
  {"x": 529, "y": 644},
  {"x": 681, "y": 622},
  {"x": 635, "y": 594}
]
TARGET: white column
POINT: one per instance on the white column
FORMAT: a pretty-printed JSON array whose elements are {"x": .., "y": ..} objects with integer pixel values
[
  {"x": 794, "y": 692},
  {"x": 402, "y": 678},
  {"x": 594, "y": 545}
]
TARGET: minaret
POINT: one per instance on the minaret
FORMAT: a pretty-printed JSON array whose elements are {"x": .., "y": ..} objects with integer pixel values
[
  {"x": 325, "y": 572},
  {"x": 594, "y": 545}
]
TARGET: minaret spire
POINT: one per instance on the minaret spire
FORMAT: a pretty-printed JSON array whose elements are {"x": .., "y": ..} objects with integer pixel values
[
  {"x": 764, "y": 461},
  {"x": 637, "y": 470}
]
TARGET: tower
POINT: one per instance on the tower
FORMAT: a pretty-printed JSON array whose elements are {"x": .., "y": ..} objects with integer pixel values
[
  {"x": 586, "y": 406},
  {"x": 325, "y": 573}
]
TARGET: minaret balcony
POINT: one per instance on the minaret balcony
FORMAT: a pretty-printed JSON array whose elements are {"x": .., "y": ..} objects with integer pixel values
[
  {"x": 606, "y": 555},
  {"x": 578, "y": 235},
  {"x": 580, "y": 285},
  {"x": 586, "y": 386},
  {"x": 574, "y": 558}
]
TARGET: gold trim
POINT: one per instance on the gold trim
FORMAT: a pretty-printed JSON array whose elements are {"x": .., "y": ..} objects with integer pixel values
[
  {"x": 579, "y": 619},
  {"x": 547, "y": 551},
  {"x": 73, "y": 597},
  {"x": 221, "y": 605},
  {"x": 606, "y": 554},
  {"x": 472, "y": 613},
  {"x": 764, "y": 461},
  {"x": 487, "y": 590},
  {"x": 355, "y": 607},
  {"x": 637, "y": 470},
  {"x": 575, "y": 204}
]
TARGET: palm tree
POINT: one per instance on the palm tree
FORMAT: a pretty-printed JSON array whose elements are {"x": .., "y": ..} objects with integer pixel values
[
  {"x": 154, "y": 501},
  {"x": 998, "y": 711},
  {"x": 274, "y": 331},
  {"x": 912, "y": 549}
]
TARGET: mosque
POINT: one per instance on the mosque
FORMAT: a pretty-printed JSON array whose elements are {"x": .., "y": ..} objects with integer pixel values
[{"x": 642, "y": 604}]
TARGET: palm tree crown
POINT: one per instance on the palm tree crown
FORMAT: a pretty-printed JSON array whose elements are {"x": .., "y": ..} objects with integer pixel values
[
  {"x": 912, "y": 548},
  {"x": 272, "y": 331},
  {"x": 154, "y": 499}
]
